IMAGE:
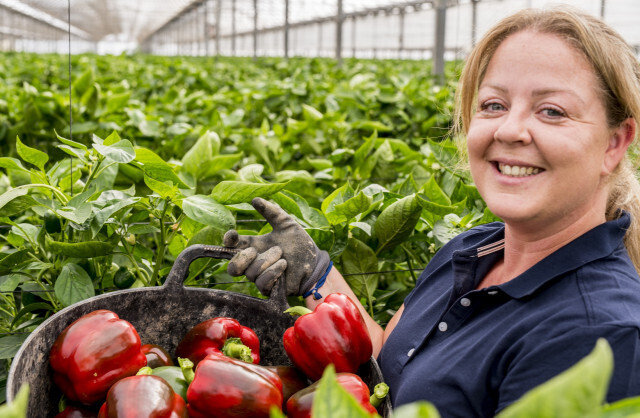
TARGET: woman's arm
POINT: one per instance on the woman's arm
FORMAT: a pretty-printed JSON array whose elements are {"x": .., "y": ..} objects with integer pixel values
[{"x": 336, "y": 284}]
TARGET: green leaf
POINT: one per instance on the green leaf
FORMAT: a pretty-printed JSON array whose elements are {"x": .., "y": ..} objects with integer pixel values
[
  {"x": 9, "y": 346},
  {"x": 445, "y": 152},
  {"x": 420, "y": 409},
  {"x": 76, "y": 214},
  {"x": 208, "y": 236},
  {"x": 164, "y": 189},
  {"x": 221, "y": 162},
  {"x": 10, "y": 262},
  {"x": 205, "y": 210},
  {"x": 31, "y": 155},
  {"x": 333, "y": 401},
  {"x": 396, "y": 222},
  {"x": 156, "y": 168},
  {"x": 337, "y": 197},
  {"x": 354, "y": 206},
  {"x": 435, "y": 194},
  {"x": 629, "y": 407},
  {"x": 196, "y": 160},
  {"x": 116, "y": 102},
  {"x": 18, "y": 205},
  {"x": 142, "y": 229},
  {"x": 288, "y": 204},
  {"x": 230, "y": 192},
  {"x": 73, "y": 285},
  {"x": 8, "y": 196},
  {"x": 121, "y": 152},
  {"x": 576, "y": 392},
  {"x": 371, "y": 125},
  {"x": 310, "y": 113},
  {"x": 112, "y": 139},
  {"x": 439, "y": 209},
  {"x": 84, "y": 82},
  {"x": 358, "y": 258},
  {"x": 9, "y": 163},
  {"x": 10, "y": 282},
  {"x": 101, "y": 216},
  {"x": 71, "y": 143},
  {"x": 17, "y": 408}
]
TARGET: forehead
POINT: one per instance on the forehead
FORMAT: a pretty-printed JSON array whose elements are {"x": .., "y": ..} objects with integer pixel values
[{"x": 540, "y": 58}]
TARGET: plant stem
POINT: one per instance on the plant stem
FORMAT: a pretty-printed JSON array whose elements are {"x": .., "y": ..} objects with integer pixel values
[
  {"x": 92, "y": 173},
  {"x": 141, "y": 276},
  {"x": 162, "y": 247},
  {"x": 410, "y": 264},
  {"x": 61, "y": 196}
]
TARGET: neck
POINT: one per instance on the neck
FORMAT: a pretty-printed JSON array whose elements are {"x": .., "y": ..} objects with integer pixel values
[{"x": 526, "y": 246}]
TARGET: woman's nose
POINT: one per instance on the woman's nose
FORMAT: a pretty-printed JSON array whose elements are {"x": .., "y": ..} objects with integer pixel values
[{"x": 514, "y": 128}]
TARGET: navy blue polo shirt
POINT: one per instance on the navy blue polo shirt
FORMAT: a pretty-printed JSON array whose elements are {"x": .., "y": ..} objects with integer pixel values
[{"x": 473, "y": 352}]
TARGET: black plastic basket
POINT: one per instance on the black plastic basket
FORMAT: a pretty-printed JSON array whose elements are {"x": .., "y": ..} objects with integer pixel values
[{"x": 162, "y": 315}]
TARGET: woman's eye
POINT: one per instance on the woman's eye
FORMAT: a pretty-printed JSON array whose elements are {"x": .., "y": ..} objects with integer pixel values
[
  {"x": 553, "y": 112},
  {"x": 492, "y": 106}
]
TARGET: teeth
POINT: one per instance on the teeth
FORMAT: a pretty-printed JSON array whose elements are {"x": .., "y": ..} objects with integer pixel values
[{"x": 517, "y": 171}]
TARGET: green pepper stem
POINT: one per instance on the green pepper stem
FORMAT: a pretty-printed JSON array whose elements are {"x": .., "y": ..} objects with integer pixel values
[
  {"x": 233, "y": 347},
  {"x": 298, "y": 310},
  {"x": 145, "y": 370},
  {"x": 186, "y": 366},
  {"x": 380, "y": 392}
]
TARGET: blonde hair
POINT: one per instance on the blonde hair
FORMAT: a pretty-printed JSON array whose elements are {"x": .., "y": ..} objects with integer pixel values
[{"x": 617, "y": 70}]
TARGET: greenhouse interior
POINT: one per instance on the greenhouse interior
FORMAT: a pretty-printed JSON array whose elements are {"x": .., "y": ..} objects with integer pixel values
[{"x": 336, "y": 137}]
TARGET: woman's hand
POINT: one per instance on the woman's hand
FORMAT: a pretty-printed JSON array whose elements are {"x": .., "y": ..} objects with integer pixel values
[{"x": 287, "y": 249}]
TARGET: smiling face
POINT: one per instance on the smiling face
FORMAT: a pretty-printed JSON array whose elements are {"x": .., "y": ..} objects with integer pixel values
[{"x": 538, "y": 142}]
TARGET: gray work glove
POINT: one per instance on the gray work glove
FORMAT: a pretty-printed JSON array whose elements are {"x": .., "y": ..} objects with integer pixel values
[{"x": 288, "y": 248}]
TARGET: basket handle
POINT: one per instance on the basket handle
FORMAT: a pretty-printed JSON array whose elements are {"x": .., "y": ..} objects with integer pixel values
[{"x": 180, "y": 270}]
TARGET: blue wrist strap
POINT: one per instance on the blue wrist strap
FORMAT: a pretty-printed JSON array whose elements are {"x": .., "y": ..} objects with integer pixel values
[{"x": 314, "y": 290}]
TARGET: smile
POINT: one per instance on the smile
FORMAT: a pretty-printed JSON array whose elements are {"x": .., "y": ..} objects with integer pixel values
[{"x": 517, "y": 171}]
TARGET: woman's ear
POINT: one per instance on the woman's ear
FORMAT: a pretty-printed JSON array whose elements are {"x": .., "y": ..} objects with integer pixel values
[{"x": 619, "y": 140}]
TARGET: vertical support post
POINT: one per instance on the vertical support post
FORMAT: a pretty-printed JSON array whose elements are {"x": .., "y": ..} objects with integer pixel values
[
  {"x": 255, "y": 29},
  {"x": 354, "y": 19},
  {"x": 218, "y": 14},
  {"x": 438, "y": 50},
  {"x": 319, "y": 53},
  {"x": 602, "y": 8},
  {"x": 233, "y": 27},
  {"x": 207, "y": 15},
  {"x": 286, "y": 28},
  {"x": 474, "y": 21},
  {"x": 339, "y": 20},
  {"x": 401, "y": 34}
]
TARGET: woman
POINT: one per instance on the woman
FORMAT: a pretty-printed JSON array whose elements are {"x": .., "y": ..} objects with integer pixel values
[{"x": 547, "y": 102}]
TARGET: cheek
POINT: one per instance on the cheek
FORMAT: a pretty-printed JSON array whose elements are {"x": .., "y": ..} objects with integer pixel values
[{"x": 478, "y": 139}]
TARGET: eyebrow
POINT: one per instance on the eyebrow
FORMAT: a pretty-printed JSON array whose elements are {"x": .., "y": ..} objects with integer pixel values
[{"x": 540, "y": 92}]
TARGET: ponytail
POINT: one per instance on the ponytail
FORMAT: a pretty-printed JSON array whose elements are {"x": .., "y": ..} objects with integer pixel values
[{"x": 624, "y": 194}]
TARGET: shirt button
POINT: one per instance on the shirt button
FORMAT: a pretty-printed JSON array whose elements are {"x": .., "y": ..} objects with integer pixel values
[
  {"x": 442, "y": 326},
  {"x": 410, "y": 353},
  {"x": 465, "y": 302}
]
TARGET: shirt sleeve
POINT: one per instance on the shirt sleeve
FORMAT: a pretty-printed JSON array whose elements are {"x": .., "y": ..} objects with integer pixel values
[{"x": 533, "y": 366}]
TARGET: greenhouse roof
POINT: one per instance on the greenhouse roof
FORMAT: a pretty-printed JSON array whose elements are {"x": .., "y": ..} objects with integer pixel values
[{"x": 133, "y": 20}]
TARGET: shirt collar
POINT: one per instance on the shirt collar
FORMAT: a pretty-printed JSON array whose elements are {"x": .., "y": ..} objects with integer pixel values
[{"x": 596, "y": 243}]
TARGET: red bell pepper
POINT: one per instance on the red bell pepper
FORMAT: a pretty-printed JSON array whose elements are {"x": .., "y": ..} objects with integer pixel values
[
  {"x": 292, "y": 380},
  {"x": 300, "y": 403},
  {"x": 156, "y": 356},
  {"x": 225, "y": 387},
  {"x": 210, "y": 337},
  {"x": 143, "y": 396},
  {"x": 93, "y": 353},
  {"x": 75, "y": 412},
  {"x": 334, "y": 333}
]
